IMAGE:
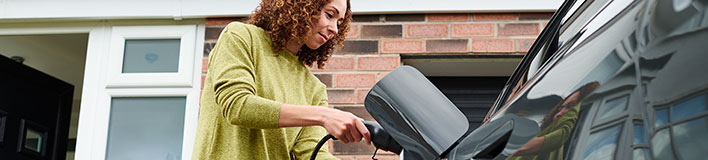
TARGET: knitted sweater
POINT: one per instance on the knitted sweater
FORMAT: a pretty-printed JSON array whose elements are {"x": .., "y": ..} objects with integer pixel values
[{"x": 240, "y": 104}]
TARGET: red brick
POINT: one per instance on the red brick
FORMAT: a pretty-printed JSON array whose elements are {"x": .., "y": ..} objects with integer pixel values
[
  {"x": 492, "y": 45},
  {"x": 446, "y": 45},
  {"x": 340, "y": 95},
  {"x": 365, "y": 18},
  {"x": 466, "y": 30},
  {"x": 494, "y": 16},
  {"x": 353, "y": 148},
  {"x": 354, "y": 80},
  {"x": 518, "y": 29},
  {"x": 203, "y": 78},
  {"x": 426, "y": 30},
  {"x": 401, "y": 46},
  {"x": 523, "y": 45},
  {"x": 404, "y": 17},
  {"x": 361, "y": 95},
  {"x": 358, "y": 111},
  {"x": 448, "y": 17},
  {"x": 353, "y": 31},
  {"x": 535, "y": 16},
  {"x": 212, "y": 33},
  {"x": 205, "y": 64},
  {"x": 378, "y": 62},
  {"x": 381, "y": 31},
  {"x": 325, "y": 78},
  {"x": 366, "y": 46},
  {"x": 339, "y": 63}
]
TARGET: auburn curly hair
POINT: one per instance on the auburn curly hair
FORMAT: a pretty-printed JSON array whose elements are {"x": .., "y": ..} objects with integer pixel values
[{"x": 284, "y": 20}]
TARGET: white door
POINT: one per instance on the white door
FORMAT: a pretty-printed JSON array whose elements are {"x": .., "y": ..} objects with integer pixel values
[{"x": 141, "y": 92}]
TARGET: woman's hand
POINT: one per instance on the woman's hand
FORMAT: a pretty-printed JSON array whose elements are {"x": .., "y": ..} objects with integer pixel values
[{"x": 344, "y": 126}]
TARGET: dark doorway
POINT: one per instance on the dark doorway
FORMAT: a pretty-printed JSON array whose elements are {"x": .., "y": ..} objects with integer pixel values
[
  {"x": 35, "y": 110},
  {"x": 472, "y": 95}
]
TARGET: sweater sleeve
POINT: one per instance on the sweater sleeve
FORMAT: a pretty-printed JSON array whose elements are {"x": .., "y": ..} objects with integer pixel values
[
  {"x": 232, "y": 68},
  {"x": 557, "y": 138},
  {"x": 308, "y": 139}
]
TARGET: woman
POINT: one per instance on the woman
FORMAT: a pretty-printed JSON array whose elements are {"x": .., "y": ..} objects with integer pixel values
[
  {"x": 556, "y": 127},
  {"x": 259, "y": 100}
]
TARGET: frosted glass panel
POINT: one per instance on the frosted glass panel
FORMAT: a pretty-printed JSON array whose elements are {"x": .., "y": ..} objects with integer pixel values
[
  {"x": 151, "y": 55},
  {"x": 146, "y": 128}
]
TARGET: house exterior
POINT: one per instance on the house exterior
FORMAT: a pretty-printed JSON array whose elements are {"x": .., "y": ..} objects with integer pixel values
[{"x": 124, "y": 56}]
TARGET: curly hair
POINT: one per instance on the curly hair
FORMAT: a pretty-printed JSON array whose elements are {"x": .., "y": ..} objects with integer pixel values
[
  {"x": 582, "y": 91},
  {"x": 284, "y": 20}
]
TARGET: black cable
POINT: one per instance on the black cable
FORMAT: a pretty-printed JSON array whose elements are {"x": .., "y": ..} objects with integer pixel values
[{"x": 319, "y": 145}]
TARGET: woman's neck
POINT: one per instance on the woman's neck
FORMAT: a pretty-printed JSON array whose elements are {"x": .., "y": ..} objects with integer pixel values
[{"x": 293, "y": 46}]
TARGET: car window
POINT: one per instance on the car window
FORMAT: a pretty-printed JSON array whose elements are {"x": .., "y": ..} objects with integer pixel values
[
  {"x": 683, "y": 122},
  {"x": 539, "y": 53},
  {"x": 602, "y": 144},
  {"x": 613, "y": 107},
  {"x": 609, "y": 12},
  {"x": 585, "y": 12}
]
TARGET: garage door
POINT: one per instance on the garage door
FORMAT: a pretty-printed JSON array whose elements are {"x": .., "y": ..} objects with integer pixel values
[{"x": 472, "y": 95}]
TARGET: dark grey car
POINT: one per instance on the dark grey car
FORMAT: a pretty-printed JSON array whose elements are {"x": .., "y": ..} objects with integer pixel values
[{"x": 604, "y": 80}]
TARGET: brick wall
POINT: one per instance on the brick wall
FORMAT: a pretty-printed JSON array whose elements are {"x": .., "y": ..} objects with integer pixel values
[{"x": 375, "y": 43}]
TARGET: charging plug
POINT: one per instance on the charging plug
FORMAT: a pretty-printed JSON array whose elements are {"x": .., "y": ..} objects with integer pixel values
[{"x": 381, "y": 139}]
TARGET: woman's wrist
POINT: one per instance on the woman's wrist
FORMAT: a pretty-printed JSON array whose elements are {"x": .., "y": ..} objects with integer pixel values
[{"x": 321, "y": 113}]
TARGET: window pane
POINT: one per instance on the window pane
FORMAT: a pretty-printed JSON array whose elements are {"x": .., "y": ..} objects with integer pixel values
[
  {"x": 691, "y": 138},
  {"x": 613, "y": 107},
  {"x": 602, "y": 144},
  {"x": 33, "y": 140},
  {"x": 688, "y": 108},
  {"x": 661, "y": 117},
  {"x": 146, "y": 128},
  {"x": 151, "y": 55},
  {"x": 641, "y": 154},
  {"x": 661, "y": 145},
  {"x": 640, "y": 135}
]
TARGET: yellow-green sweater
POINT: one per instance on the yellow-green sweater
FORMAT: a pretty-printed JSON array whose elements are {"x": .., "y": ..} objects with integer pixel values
[{"x": 240, "y": 104}]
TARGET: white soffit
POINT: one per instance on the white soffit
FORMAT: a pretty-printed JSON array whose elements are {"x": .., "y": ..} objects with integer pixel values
[{"x": 178, "y": 9}]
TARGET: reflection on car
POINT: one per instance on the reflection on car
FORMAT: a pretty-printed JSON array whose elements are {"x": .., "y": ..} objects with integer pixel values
[{"x": 604, "y": 80}]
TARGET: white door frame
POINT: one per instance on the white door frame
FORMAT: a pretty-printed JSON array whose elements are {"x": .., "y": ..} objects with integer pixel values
[{"x": 96, "y": 92}]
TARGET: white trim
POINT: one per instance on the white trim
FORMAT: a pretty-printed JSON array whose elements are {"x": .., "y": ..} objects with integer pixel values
[
  {"x": 179, "y": 9},
  {"x": 96, "y": 96},
  {"x": 97, "y": 45},
  {"x": 186, "y": 34}
]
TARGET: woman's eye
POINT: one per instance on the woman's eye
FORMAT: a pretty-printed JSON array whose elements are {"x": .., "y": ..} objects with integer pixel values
[{"x": 329, "y": 15}]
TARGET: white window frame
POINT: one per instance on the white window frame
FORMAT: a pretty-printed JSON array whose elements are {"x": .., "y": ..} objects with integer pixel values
[
  {"x": 97, "y": 93},
  {"x": 182, "y": 78},
  {"x": 102, "y": 120}
]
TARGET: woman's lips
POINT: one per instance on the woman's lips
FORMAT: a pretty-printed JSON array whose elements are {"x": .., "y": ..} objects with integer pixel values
[{"x": 324, "y": 38}]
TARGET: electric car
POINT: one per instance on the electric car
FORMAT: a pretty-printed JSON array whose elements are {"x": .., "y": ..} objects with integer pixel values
[{"x": 606, "y": 79}]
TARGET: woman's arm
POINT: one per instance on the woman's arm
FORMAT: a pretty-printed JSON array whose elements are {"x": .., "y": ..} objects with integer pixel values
[
  {"x": 531, "y": 147},
  {"x": 342, "y": 125}
]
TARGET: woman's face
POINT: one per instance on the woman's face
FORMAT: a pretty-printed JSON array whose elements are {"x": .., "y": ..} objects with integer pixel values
[{"x": 327, "y": 26}]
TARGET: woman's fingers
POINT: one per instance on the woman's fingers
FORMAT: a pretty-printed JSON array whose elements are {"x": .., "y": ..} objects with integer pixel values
[
  {"x": 345, "y": 126},
  {"x": 364, "y": 132},
  {"x": 354, "y": 131}
]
